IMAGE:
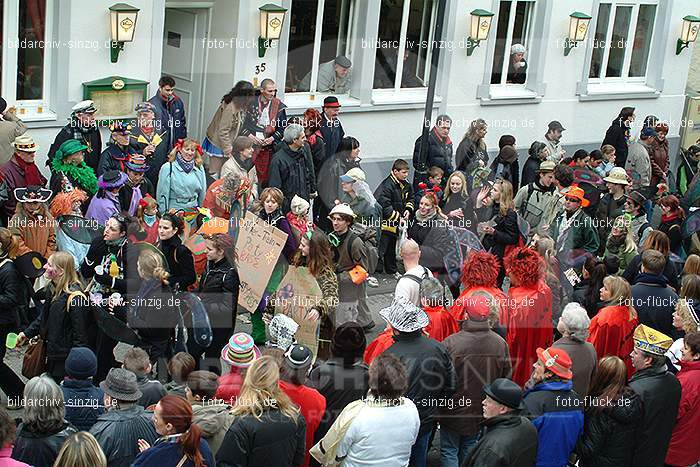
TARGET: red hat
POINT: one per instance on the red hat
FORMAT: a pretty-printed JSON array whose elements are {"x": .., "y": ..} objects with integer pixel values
[
  {"x": 557, "y": 361},
  {"x": 477, "y": 307}
]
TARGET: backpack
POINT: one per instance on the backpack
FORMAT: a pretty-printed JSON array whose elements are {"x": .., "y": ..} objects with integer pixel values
[
  {"x": 415, "y": 278},
  {"x": 368, "y": 236}
]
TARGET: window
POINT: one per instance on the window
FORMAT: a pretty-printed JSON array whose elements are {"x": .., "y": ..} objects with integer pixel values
[
  {"x": 622, "y": 41},
  {"x": 319, "y": 31},
  {"x": 513, "y": 27},
  {"x": 26, "y": 56},
  {"x": 406, "y": 29}
]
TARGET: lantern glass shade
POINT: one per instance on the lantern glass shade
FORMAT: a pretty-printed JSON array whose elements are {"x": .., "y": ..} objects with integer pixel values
[
  {"x": 578, "y": 26},
  {"x": 271, "y": 21},
  {"x": 480, "y": 24},
  {"x": 122, "y": 19},
  {"x": 691, "y": 26}
]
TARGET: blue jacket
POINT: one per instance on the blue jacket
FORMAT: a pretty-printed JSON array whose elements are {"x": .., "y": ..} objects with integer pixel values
[
  {"x": 84, "y": 402},
  {"x": 170, "y": 115},
  {"x": 178, "y": 189},
  {"x": 169, "y": 452},
  {"x": 557, "y": 412}
]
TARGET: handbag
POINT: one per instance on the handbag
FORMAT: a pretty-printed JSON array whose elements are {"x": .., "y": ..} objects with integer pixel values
[{"x": 34, "y": 362}]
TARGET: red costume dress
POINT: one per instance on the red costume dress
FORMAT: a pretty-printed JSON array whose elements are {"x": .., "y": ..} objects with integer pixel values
[
  {"x": 442, "y": 324},
  {"x": 529, "y": 323},
  {"x": 611, "y": 333},
  {"x": 458, "y": 310},
  {"x": 380, "y": 343}
]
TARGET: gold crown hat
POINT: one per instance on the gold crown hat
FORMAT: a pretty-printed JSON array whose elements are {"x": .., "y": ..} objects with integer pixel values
[{"x": 651, "y": 341}]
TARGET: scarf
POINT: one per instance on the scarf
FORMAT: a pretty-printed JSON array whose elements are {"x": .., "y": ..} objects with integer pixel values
[
  {"x": 615, "y": 244},
  {"x": 31, "y": 172},
  {"x": 82, "y": 175},
  {"x": 187, "y": 166},
  {"x": 651, "y": 279},
  {"x": 118, "y": 243},
  {"x": 670, "y": 217},
  {"x": 445, "y": 141},
  {"x": 244, "y": 164},
  {"x": 421, "y": 219},
  {"x": 149, "y": 220},
  {"x": 136, "y": 197}
]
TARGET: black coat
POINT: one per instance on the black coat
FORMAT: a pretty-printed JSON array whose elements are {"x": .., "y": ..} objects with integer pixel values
[
  {"x": 152, "y": 312},
  {"x": 84, "y": 402},
  {"x": 616, "y": 136},
  {"x": 505, "y": 441},
  {"x": 340, "y": 384},
  {"x": 394, "y": 197},
  {"x": 92, "y": 139},
  {"x": 581, "y": 295},
  {"x": 672, "y": 229},
  {"x": 465, "y": 204},
  {"x": 329, "y": 188},
  {"x": 114, "y": 157},
  {"x": 318, "y": 153},
  {"x": 530, "y": 175},
  {"x": 508, "y": 171},
  {"x": 64, "y": 329},
  {"x": 40, "y": 449},
  {"x": 126, "y": 193},
  {"x": 431, "y": 375},
  {"x": 159, "y": 156},
  {"x": 632, "y": 271},
  {"x": 273, "y": 441},
  {"x": 218, "y": 290},
  {"x": 180, "y": 263},
  {"x": 469, "y": 152},
  {"x": 608, "y": 434},
  {"x": 660, "y": 392},
  {"x": 433, "y": 239},
  {"x": 98, "y": 252},
  {"x": 506, "y": 233},
  {"x": 118, "y": 432},
  {"x": 293, "y": 173},
  {"x": 332, "y": 132},
  {"x": 439, "y": 155},
  {"x": 655, "y": 303},
  {"x": 11, "y": 293}
]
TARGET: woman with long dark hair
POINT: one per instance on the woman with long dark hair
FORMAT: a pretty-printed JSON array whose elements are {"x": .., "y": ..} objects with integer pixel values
[
  {"x": 181, "y": 441},
  {"x": 471, "y": 151},
  {"x": 619, "y": 133},
  {"x": 587, "y": 292},
  {"x": 315, "y": 253},
  {"x": 178, "y": 256},
  {"x": 613, "y": 413},
  {"x": 226, "y": 125},
  {"x": 672, "y": 218}
]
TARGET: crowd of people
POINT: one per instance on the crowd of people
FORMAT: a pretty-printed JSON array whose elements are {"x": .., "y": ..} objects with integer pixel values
[{"x": 543, "y": 316}]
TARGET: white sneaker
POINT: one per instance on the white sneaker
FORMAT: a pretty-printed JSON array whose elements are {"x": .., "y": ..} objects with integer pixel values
[
  {"x": 372, "y": 282},
  {"x": 397, "y": 275}
]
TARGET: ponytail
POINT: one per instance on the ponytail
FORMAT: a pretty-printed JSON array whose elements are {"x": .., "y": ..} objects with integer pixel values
[
  {"x": 161, "y": 274},
  {"x": 190, "y": 445}
]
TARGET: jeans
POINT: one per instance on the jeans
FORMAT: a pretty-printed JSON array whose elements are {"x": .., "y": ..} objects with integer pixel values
[
  {"x": 419, "y": 452},
  {"x": 454, "y": 448}
]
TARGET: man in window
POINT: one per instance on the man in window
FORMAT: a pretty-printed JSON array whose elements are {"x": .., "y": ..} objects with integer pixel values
[
  {"x": 10, "y": 128},
  {"x": 170, "y": 110},
  {"x": 517, "y": 69},
  {"x": 333, "y": 76},
  {"x": 83, "y": 128}
]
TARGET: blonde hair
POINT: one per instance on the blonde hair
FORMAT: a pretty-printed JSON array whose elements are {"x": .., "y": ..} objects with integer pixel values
[
  {"x": 448, "y": 190},
  {"x": 188, "y": 142},
  {"x": 261, "y": 391},
  {"x": 688, "y": 324},
  {"x": 620, "y": 293},
  {"x": 622, "y": 223},
  {"x": 506, "y": 201},
  {"x": 151, "y": 265},
  {"x": 81, "y": 449},
  {"x": 9, "y": 244},
  {"x": 66, "y": 262},
  {"x": 692, "y": 265}
]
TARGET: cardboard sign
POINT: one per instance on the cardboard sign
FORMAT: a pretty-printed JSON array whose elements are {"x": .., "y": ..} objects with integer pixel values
[
  {"x": 298, "y": 293},
  {"x": 258, "y": 247}
]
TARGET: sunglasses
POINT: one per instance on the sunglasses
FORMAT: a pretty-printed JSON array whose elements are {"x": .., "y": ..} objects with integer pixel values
[{"x": 573, "y": 200}]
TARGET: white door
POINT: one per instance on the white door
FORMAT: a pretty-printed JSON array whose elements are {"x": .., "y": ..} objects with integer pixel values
[{"x": 183, "y": 58}]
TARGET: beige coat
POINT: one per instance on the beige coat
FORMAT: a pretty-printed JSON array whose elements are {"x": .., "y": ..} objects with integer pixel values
[
  {"x": 225, "y": 126},
  {"x": 232, "y": 166},
  {"x": 10, "y": 128}
]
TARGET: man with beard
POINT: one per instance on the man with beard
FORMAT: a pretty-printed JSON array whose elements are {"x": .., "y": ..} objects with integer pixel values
[{"x": 81, "y": 127}]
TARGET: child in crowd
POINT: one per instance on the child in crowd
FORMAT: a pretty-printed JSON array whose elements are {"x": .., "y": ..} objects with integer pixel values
[
  {"x": 147, "y": 217},
  {"x": 137, "y": 361},
  {"x": 298, "y": 218},
  {"x": 608, "y": 162},
  {"x": 241, "y": 163},
  {"x": 180, "y": 367},
  {"x": 435, "y": 175}
]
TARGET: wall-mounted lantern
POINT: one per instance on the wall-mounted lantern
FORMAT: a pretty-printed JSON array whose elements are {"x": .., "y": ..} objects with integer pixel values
[
  {"x": 480, "y": 28},
  {"x": 122, "y": 21},
  {"x": 271, "y": 21},
  {"x": 689, "y": 32},
  {"x": 578, "y": 28}
]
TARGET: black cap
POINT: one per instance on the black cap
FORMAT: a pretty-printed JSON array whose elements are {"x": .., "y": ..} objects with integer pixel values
[
  {"x": 298, "y": 356},
  {"x": 505, "y": 392},
  {"x": 555, "y": 126},
  {"x": 331, "y": 101},
  {"x": 30, "y": 264}
]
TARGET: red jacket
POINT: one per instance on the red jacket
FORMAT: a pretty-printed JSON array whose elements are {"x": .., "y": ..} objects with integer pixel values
[
  {"x": 312, "y": 405},
  {"x": 684, "y": 448},
  {"x": 611, "y": 333},
  {"x": 380, "y": 343},
  {"x": 529, "y": 324},
  {"x": 442, "y": 324},
  {"x": 229, "y": 387}
]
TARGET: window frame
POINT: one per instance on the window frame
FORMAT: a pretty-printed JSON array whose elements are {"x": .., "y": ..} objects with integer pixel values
[
  {"x": 27, "y": 109},
  {"x": 631, "y": 36},
  {"x": 509, "y": 38}
]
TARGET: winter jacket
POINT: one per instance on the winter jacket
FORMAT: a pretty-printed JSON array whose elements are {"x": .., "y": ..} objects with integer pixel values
[
  {"x": 433, "y": 240},
  {"x": 13, "y": 177},
  {"x": 633, "y": 268},
  {"x": 611, "y": 333},
  {"x": 273, "y": 441},
  {"x": 530, "y": 171},
  {"x": 218, "y": 291},
  {"x": 660, "y": 392},
  {"x": 229, "y": 386},
  {"x": 84, "y": 402},
  {"x": 468, "y": 153},
  {"x": 673, "y": 228},
  {"x": 394, "y": 197},
  {"x": 581, "y": 295},
  {"x": 244, "y": 169},
  {"x": 608, "y": 433},
  {"x": 505, "y": 441},
  {"x": 126, "y": 194},
  {"x": 90, "y": 138},
  {"x": 332, "y": 133},
  {"x": 655, "y": 302},
  {"x": 329, "y": 188},
  {"x": 556, "y": 150},
  {"x": 178, "y": 189},
  {"x": 618, "y": 135},
  {"x": 35, "y": 233},
  {"x": 180, "y": 263},
  {"x": 152, "y": 390},
  {"x": 139, "y": 139},
  {"x": 584, "y": 361},
  {"x": 609, "y": 209},
  {"x": 114, "y": 157},
  {"x": 531, "y": 202},
  {"x": 340, "y": 384},
  {"x": 318, "y": 150},
  {"x": 509, "y": 171},
  {"x": 463, "y": 203},
  {"x": 118, "y": 431},
  {"x": 312, "y": 406},
  {"x": 103, "y": 206},
  {"x": 225, "y": 125},
  {"x": 100, "y": 253},
  {"x": 479, "y": 356},
  {"x": 168, "y": 451},
  {"x": 557, "y": 413},
  {"x": 10, "y": 128},
  {"x": 684, "y": 448},
  {"x": 40, "y": 449},
  {"x": 11, "y": 293},
  {"x": 293, "y": 173},
  {"x": 439, "y": 154},
  {"x": 638, "y": 166},
  {"x": 581, "y": 235},
  {"x": 431, "y": 374},
  {"x": 170, "y": 115},
  {"x": 214, "y": 419},
  {"x": 65, "y": 328},
  {"x": 153, "y": 315},
  {"x": 505, "y": 233},
  {"x": 658, "y": 155}
]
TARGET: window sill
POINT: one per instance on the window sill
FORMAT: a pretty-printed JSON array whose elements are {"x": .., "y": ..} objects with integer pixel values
[
  {"x": 304, "y": 100},
  {"x": 30, "y": 114},
  {"x": 382, "y": 100},
  {"x": 616, "y": 91},
  {"x": 507, "y": 94}
]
